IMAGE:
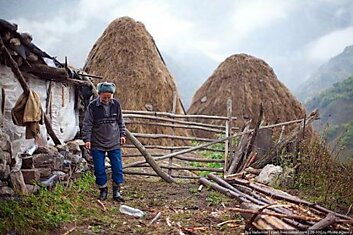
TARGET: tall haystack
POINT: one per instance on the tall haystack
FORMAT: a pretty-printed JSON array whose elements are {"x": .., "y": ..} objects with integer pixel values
[
  {"x": 248, "y": 81},
  {"x": 126, "y": 54}
]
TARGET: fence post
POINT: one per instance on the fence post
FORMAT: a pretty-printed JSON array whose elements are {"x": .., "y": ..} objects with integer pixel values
[
  {"x": 173, "y": 130},
  {"x": 228, "y": 143}
]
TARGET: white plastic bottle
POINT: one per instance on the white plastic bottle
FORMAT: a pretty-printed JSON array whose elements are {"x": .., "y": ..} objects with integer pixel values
[{"x": 131, "y": 211}]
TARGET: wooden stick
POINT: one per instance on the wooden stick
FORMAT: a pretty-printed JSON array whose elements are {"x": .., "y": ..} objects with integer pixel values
[
  {"x": 193, "y": 159},
  {"x": 324, "y": 223},
  {"x": 155, "y": 218},
  {"x": 270, "y": 221},
  {"x": 172, "y": 120},
  {"x": 173, "y": 147},
  {"x": 177, "y": 115},
  {"x": 192, "y": 168},
  {"x": 221, "y": 189},
  {"x": 148, "y": 158},
  {"x": 177, "y": 126},
  {"x": 157, "y": 136},
  {"x": 101, "y": 204},
  {"x": 249, "y": 211}
]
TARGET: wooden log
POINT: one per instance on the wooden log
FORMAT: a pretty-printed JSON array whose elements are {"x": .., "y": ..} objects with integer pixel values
[
  {"x": 26, "y": 89},
  {"x": 46, "y": 72},
  {"x": 268, "y": 201},
  {"x": 239, "y": 151},
  {"x": 128, "y": 172},
  {"x": 148, "y": 158},
  {"x": 250, "y": 145},
  {"x": 269, "y": 221},
  {"x": 192, "y": 168},
  {"x": 279, "y": 215},
  {"x": 15, "y": 69},
  {"x": 158, "y": 136},
  {"x": 173, "y": 130},
  {"x": 171, "y": 115},
  {"x": 6, "y": 25},
  {"x": 221, "y": 189},
  {"x": 50, "y": 130},
  {"x": 253, "y": 170},
  {"x": 173, "y": 147},
  {"x": 140, "y": 173},
  {"x": 193, "y": 159},
  {"x": 193, "y": 127},
  {"x": 48, "y": 101},
  {"x": 324, "y": 223},
  {"x": 172, "y": 120},
  {"x": 241, "y": 195},
  {"x": 279, "y": 194}
]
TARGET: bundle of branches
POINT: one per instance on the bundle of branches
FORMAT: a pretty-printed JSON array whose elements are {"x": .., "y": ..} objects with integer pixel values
[{"x": 268, "y": 208}]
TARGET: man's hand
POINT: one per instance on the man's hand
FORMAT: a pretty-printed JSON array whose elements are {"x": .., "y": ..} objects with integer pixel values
[
  {"x": 88, "y": 145},
  {"x": 122, "y": 140}
]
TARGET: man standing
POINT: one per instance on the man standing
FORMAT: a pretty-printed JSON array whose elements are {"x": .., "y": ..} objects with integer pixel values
[{"x": 103, "y": 132}]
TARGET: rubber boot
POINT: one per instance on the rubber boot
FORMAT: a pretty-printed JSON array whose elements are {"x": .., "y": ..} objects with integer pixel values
[
  {"x": 103, "y": 194},
  {"x": 116, "y": 194}
]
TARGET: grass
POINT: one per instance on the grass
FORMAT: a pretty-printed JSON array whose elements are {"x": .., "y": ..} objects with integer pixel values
[
  {"x": 321, "y": 177},
  {"x": 210, "y": 155},
  {"x": 47, "y": 209}
]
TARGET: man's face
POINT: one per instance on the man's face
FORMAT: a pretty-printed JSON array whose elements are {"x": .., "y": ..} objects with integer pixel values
[{"x": 105, "y": 97}]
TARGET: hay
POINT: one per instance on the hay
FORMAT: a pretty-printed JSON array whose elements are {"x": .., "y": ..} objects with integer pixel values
[
  {"x": 248, "y": 81},
  {"x": 127, "y": 55}
]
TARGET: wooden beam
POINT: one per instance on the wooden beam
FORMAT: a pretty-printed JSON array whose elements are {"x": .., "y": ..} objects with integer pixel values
[{"x": 148, "y": 158}]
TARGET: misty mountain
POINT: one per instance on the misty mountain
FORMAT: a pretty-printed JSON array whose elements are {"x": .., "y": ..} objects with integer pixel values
[
  {"x": 335, "y": 70},
  {"x": 336, "y": 115},
  {"x": 190, "y": 70}
]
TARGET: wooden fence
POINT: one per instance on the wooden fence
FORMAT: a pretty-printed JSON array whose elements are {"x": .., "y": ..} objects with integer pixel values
[
  {"x": 172, "y": 152},
  {"x": 179, "y": 121}
]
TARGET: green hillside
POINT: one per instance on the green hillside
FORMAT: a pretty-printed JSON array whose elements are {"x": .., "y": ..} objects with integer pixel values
[{"x": 336, "y": 116}]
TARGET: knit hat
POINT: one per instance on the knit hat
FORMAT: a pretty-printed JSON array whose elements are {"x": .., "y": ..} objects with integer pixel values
[{"x": 106, "y": 87}]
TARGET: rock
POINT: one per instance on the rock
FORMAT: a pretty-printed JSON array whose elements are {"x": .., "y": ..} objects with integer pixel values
[
  {"x": 27, "y": 162},
  {"x": 5, "y": 144},
  {"x": 30, "y": 176},
  {"x": 43, "y": 160},
  {"x": 32, "y": 188},
  {"x": 149, "y": 107},
  {"x": 44, "y": 172},
  {"x": 204, "y": 99},
  {"x": 4, "y": 183},
  {"x": 47, "y": 149},
  {"x": 269, "y": 174},
  {"x": 75, "y": 154},
  {"x": 3, "y": 164},
  {"x": 6, "y": 191},
  {"x": 7, "y": 156},
  {"x": 18, "y": 183}
]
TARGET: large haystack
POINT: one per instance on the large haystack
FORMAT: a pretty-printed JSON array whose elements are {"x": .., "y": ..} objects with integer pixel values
[
  {"x": 127, "y": 55},
  {"x": 248, "y": 81}
]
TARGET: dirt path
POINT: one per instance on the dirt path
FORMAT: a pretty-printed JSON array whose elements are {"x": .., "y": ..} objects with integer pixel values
[{"x": 184, "y": 210}]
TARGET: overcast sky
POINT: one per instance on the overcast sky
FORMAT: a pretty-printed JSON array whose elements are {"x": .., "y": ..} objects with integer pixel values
[{"x": 293, "y": 36}]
